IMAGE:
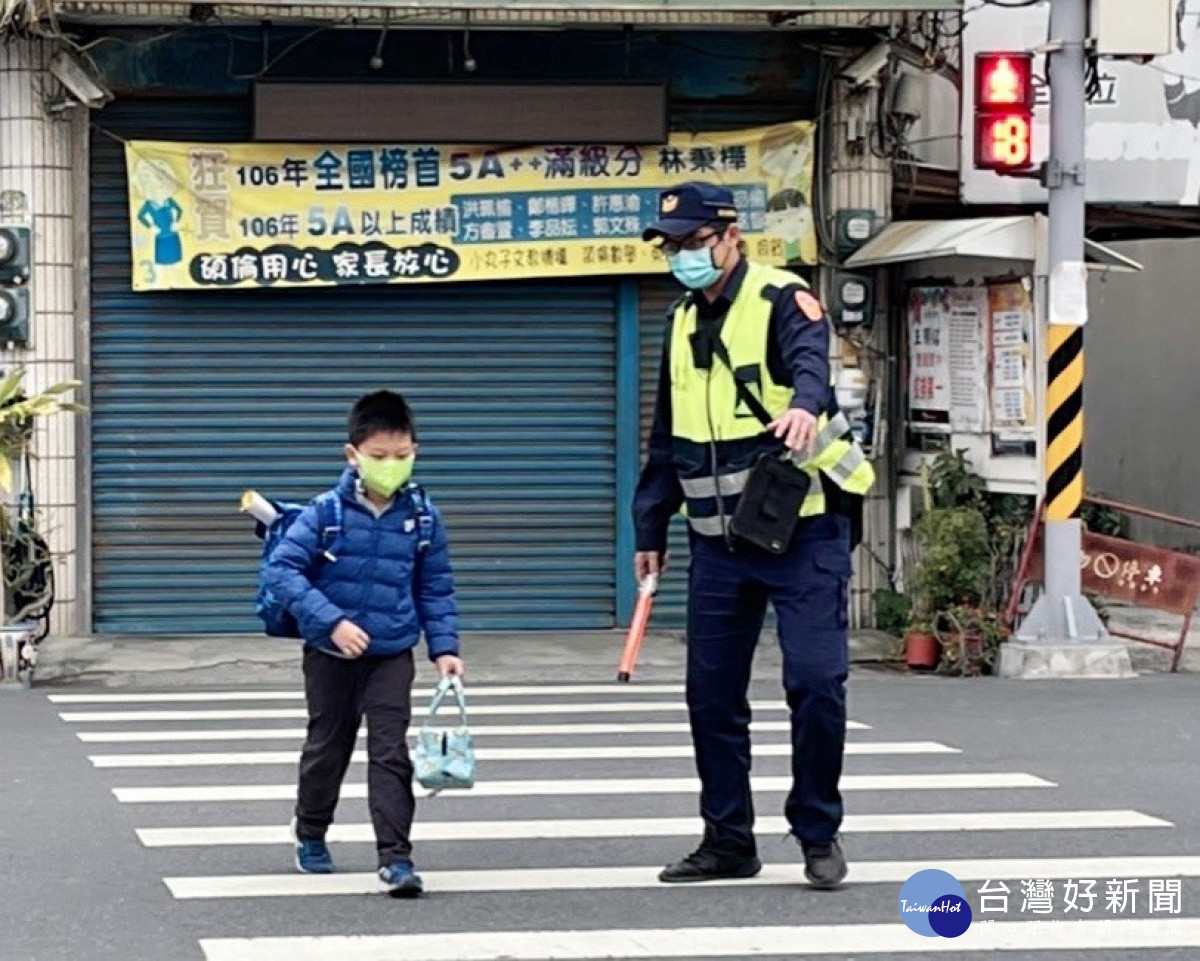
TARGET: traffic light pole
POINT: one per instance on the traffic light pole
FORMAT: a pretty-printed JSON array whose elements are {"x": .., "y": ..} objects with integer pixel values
[{"x": 1063, "y": 634}]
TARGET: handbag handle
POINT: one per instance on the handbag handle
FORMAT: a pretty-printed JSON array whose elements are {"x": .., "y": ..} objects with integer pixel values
[{"x": 445, "y": 686}]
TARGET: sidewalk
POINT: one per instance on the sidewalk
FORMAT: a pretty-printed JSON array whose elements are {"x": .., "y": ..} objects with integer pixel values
[
  {"x": 253, "y": 660},
  {"x": 512, "y": 657},
  {"x": 1147, "y": 658}
]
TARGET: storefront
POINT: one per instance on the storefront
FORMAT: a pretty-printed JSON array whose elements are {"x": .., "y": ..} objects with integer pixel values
[
  {"x": 531, "y": 394},
  {"x": 969, "y": 323}
]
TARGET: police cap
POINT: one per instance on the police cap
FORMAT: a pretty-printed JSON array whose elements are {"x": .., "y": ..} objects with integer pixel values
[{"x": 685, "y": 209}]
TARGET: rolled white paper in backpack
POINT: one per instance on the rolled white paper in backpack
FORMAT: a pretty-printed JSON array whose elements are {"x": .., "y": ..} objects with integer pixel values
[{"x": 258, "y": 507}]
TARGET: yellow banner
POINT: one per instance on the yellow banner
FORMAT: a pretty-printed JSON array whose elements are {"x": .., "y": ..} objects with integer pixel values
[{"x": 280, "y": 215}]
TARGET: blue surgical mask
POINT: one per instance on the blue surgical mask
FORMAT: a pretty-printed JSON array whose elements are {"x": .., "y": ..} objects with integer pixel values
[{"x": 695, "y": 268}]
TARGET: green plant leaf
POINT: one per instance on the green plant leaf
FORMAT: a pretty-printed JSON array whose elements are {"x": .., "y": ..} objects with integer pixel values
[{"x": 11, "y": 384}]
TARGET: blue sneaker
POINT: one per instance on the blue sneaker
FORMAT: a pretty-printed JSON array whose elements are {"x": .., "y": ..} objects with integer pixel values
[
  {"x": 312, "y": 857},
  {"x": 401, "y": 880}
]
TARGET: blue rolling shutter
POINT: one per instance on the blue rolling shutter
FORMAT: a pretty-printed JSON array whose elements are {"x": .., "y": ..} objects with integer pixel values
[{"x": 197, "y": 396}]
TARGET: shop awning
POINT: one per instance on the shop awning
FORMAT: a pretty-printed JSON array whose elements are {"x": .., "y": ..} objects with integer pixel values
[{"x": 992, "y": 238}]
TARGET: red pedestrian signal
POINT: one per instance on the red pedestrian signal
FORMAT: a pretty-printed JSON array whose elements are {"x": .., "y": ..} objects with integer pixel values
[{"x": 1004, "y": 111}]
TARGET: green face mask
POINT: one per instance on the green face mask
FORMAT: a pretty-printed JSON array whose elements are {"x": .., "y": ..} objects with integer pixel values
[{"x": 385, "y": 475}]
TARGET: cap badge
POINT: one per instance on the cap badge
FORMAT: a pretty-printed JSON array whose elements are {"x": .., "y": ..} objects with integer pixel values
[{"x": 669, "y": 203}]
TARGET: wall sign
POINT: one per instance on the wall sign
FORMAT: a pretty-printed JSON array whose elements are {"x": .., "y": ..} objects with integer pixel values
[
  {"x": 947, "y": 359},
  {"x": 971, "y": 361},
  {"x": 928, "y": 359},
  {"x": 968, "y": 312},
  {"x": 278, "y": 215},
  {"x": 1013, "y": 401}
]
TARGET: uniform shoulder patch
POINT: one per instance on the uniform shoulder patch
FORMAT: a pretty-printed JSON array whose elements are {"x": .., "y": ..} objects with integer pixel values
[{"x": 809, "y": 306}]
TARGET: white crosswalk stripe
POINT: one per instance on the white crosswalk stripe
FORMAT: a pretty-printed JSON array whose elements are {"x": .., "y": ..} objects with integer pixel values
[
  {"x": 605, "y": 753},
  {"x": 588, "y": 879},
  {"x": 841, "y": 940},
  {"x": 657, "y": 827},
  {"x": 562, "y": 730},
  {"x": 591, "y": 787},
  {"x": 477, "y": 710},
  {"x": 592, "y": 782},
  {"x": 495, "y": 690}
]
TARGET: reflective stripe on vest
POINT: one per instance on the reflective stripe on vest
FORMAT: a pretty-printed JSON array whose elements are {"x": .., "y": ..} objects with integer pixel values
[{"x": 717, "y": 526}]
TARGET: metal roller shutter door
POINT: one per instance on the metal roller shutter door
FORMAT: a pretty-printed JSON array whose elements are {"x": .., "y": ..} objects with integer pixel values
[{"x": 197, "y": 396}]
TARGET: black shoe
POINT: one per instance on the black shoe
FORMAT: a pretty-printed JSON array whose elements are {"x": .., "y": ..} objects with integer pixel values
[
  {"x": 825, "y": 866},
  {"x": 708, "y": 864}
]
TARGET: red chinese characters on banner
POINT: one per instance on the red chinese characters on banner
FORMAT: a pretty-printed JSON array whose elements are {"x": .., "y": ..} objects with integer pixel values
[
  {"x": 1137, "y": 574},
  {"x": 1120, "y": 570}
]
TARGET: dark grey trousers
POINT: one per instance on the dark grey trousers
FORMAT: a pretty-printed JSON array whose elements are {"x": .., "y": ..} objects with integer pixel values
[{"x": 340, "y": 693}]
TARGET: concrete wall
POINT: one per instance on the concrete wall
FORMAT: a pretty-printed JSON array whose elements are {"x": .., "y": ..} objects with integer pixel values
[{"x": 1142, "y": 393}]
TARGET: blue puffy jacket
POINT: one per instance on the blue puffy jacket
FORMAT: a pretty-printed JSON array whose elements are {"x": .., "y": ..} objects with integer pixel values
[{"x": 377, "y": 581}]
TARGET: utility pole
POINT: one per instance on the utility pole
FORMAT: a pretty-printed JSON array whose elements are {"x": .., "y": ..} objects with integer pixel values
[{"x": 1063, "y": 635}]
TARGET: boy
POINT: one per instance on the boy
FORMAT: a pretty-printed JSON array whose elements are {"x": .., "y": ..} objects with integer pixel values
[{"x": 361, "y": 614}]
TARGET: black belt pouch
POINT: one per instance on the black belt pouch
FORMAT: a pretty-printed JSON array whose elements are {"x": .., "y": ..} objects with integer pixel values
[{"x": 769, "y": 509}]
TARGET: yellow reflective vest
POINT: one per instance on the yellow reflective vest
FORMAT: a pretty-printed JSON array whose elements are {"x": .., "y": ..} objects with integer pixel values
[{"x": 717, "y": 440}]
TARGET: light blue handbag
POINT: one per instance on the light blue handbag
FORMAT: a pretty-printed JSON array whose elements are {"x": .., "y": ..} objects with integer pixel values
[{"x": 445, "y": 757}]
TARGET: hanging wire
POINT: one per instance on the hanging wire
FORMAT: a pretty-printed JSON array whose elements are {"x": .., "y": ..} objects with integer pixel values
[{"x": 820, "y": 174}]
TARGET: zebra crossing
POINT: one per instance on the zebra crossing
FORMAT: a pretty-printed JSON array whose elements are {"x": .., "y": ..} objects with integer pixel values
[{"x": 584, "y": 791}]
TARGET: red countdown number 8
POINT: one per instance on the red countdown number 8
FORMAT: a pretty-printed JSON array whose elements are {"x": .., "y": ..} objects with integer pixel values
[{"x": 1010, "y": 141}]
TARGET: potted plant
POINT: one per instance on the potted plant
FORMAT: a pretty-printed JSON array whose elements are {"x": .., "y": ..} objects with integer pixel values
[
  {"x": 26, "y": 572},
  {"x": 917, "y": 644},
  {"x": 922, "y": 648},
  {"x": 970, "y": 640},
  {"x": 969, "y": 542}
]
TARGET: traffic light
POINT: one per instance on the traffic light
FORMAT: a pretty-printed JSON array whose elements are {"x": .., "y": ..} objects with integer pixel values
[
  {"x": 15, "y": 263},
  {"x": 1004, "y": 111}
]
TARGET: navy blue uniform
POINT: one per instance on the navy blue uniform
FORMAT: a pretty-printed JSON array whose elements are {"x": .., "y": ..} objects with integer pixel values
[{"x": 728, "y": 592}]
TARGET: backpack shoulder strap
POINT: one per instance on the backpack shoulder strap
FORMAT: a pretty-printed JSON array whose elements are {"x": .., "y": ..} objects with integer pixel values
[
  {"x": 424, "y": 517},
  {"x": 330, "y": 517}
]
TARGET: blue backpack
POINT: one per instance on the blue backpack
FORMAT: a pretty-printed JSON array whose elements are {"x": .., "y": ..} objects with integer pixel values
[{"x": 277, "y": 620}]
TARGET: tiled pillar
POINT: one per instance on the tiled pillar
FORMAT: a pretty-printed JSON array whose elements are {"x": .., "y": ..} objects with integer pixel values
[
  {"x": 37, "y": 187},
  {"x": 860, "y": 180}
]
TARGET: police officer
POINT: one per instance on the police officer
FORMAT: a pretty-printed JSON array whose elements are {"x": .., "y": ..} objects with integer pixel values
[{"x": 741, "y": 321}]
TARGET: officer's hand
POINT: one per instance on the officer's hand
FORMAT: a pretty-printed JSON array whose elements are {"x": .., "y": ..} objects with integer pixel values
[
  {"x": 648, "y": 562},
  {"x": 797, "y": 429},
  {"x": 350, "y": 639}
]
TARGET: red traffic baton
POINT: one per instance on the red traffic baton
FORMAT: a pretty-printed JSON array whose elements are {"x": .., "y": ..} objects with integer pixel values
[{"x": 637, "y": 628}]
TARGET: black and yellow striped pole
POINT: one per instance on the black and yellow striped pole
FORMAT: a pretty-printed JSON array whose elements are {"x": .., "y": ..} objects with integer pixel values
[
  {"x": 1063, "y": 635},
  {"x": 1062, "y": 615},
  {"x": 1064, "y": 424}
]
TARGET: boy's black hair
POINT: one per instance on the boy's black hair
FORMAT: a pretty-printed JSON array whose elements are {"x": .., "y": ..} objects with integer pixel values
[{"x": 381, "y": 412}]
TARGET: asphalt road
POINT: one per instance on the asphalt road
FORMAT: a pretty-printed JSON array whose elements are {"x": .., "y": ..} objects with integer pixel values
[{"x": 137, "y": 829}]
